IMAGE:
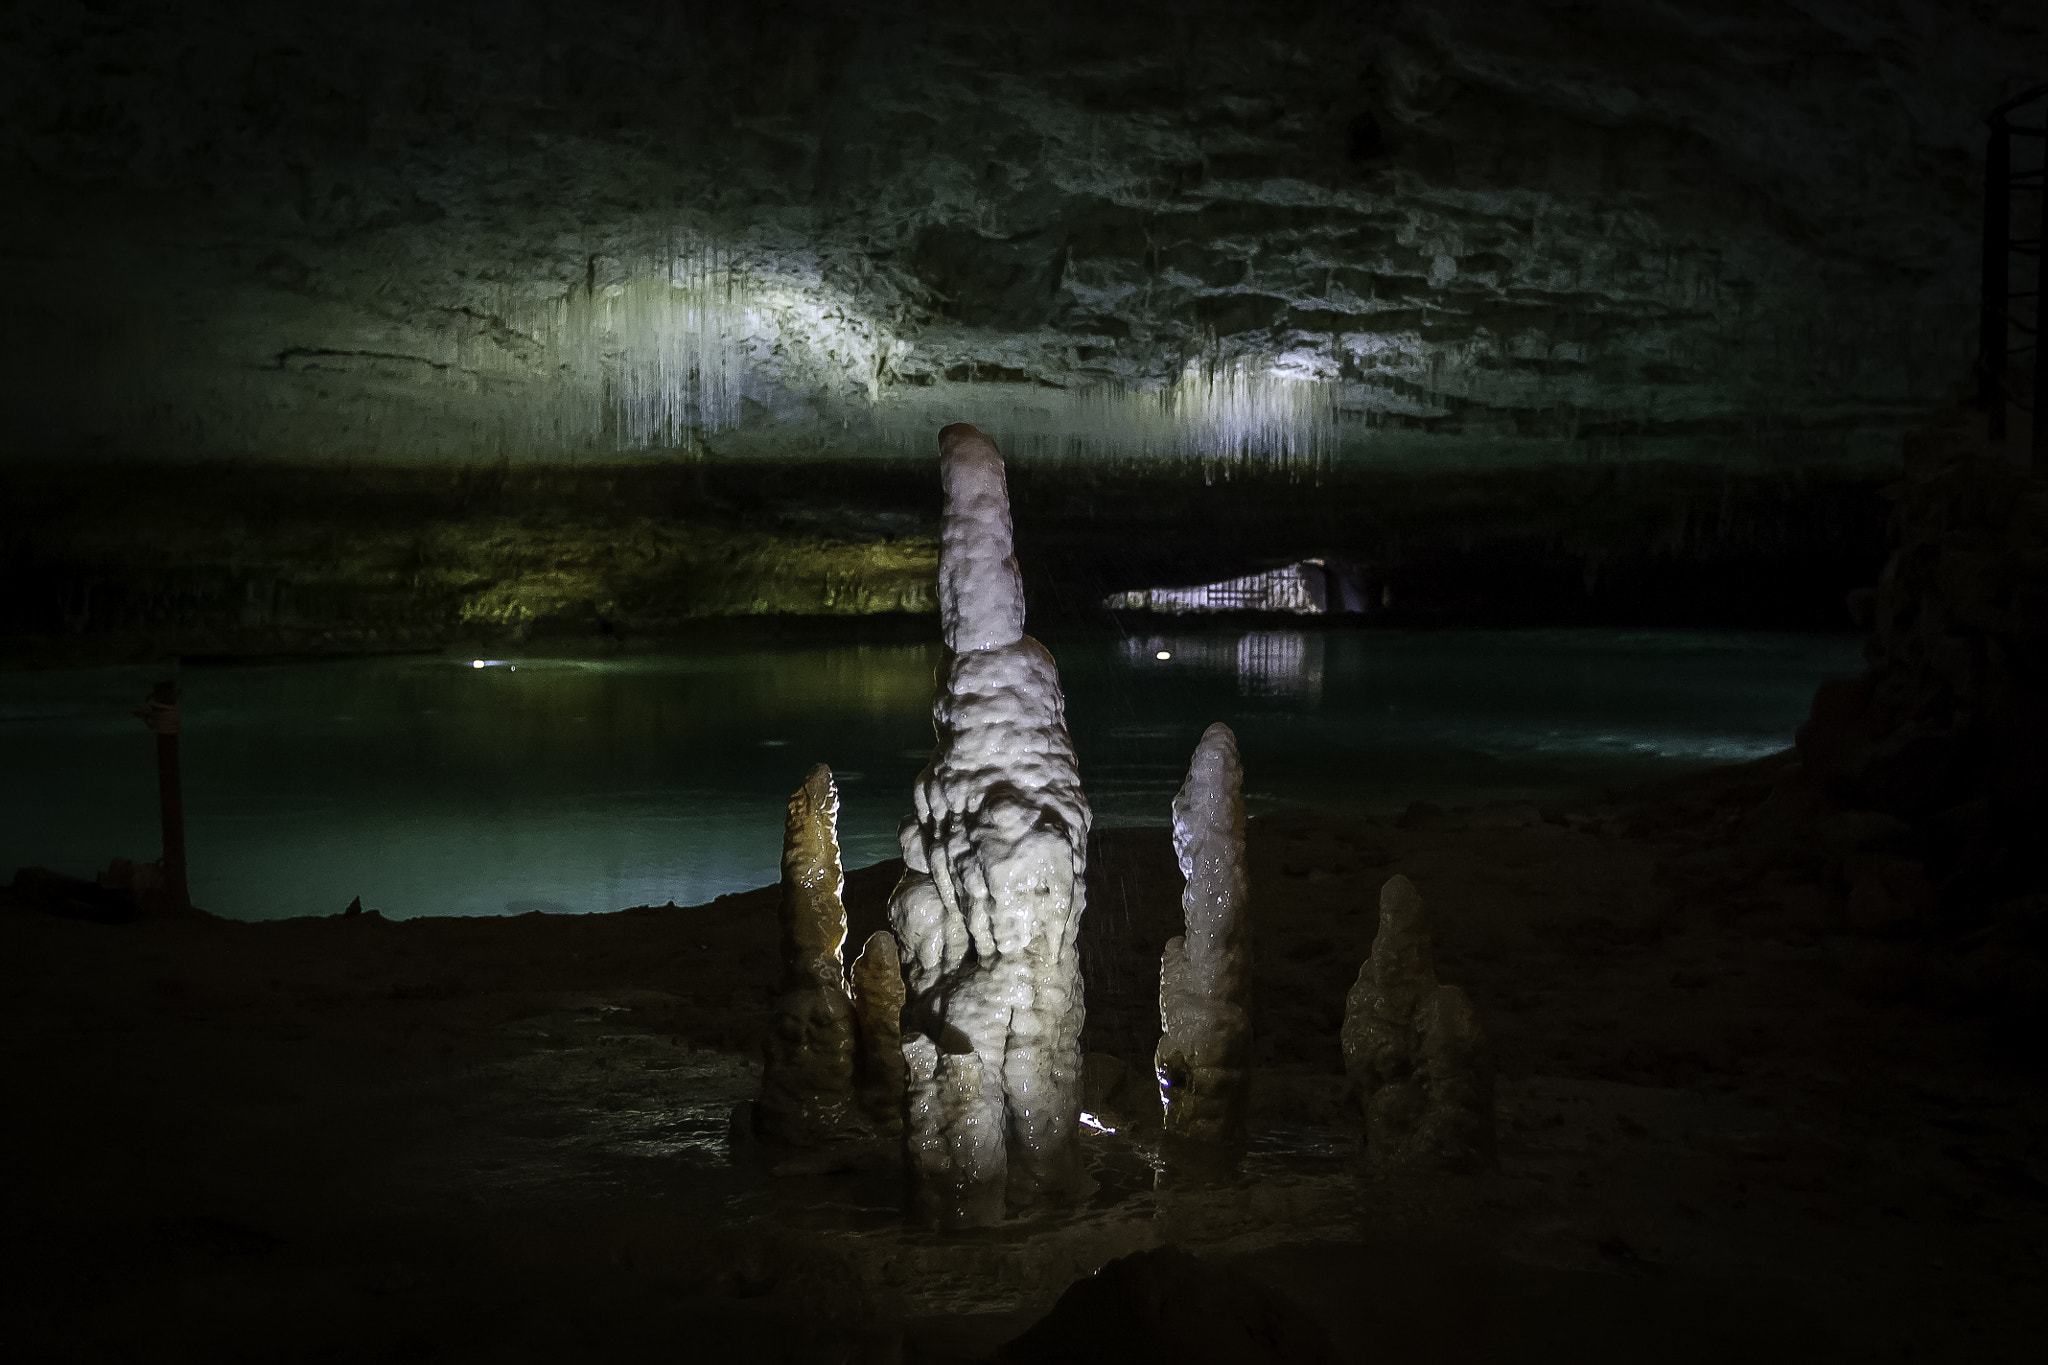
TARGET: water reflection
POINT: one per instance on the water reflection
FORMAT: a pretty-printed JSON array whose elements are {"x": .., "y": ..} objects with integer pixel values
[
  {"x": 429, "y": 786},
  {"x": 1266, "y": 663}
]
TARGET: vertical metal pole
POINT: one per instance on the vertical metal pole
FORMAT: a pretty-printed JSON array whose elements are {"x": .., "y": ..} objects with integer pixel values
[
  {"x": 1991, "y": 332},
  {"x": 2038, "y": 453},
  {"x": 161, "y": 715}
]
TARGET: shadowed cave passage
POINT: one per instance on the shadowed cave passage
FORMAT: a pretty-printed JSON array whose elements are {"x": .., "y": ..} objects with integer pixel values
[{"x": 510, "y": 426}]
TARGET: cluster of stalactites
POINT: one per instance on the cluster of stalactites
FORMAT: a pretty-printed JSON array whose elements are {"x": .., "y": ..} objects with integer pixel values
[
  {"x": 1414, "y": 1048},
  {"x": 989, "y": 907},
  {"x": 831, "y": 1068},
  {"x": 1204, "y": 1058}
]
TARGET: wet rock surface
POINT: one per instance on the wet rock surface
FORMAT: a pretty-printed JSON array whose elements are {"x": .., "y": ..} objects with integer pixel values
[
  {"x": 808, "y": 1056},
  {"x": 1414, "y": 1047},
  {"x": 1203, "y": 1061},
  {"x": 991, "y": 902},
  {"x": 876, "y": 984}
]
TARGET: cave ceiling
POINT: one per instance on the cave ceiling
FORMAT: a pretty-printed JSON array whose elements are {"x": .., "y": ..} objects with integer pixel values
[{"x": 1444, "y": 232}]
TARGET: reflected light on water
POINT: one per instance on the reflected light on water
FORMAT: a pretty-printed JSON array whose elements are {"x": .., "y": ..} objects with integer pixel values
[{"x": 1265, "y": 663}]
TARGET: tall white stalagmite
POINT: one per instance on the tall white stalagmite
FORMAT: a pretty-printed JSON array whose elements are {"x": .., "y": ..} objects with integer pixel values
[
  {"x": 990, "y": 904},
  {"x": 1205, "y": 977}
]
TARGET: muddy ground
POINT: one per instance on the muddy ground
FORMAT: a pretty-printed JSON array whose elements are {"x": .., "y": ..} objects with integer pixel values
[{"x": 1732, "y": 1126}]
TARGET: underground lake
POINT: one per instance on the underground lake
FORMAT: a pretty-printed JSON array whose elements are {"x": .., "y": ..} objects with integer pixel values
[{"x": 442, "y": 785}]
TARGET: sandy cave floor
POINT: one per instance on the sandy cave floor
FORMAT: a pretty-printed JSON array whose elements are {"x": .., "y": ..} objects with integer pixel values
[{"x": 1729, "y": 1128}]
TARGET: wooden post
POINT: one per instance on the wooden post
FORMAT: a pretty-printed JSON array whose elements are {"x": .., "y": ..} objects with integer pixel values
[{"x": 160, "y": 714}]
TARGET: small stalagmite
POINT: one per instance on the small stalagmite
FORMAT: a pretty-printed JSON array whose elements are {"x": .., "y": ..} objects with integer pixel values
[
  {"x": 877, "y": 988},
  {"x": 1414, "y": 1048},
  {"x": 989, "y": 909},
  {"x": 807, "y": 1080},
  {"x": 1205, "y": 976}
]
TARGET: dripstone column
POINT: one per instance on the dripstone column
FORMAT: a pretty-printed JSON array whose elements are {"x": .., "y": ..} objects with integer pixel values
[{"x": 990, "y": 904}]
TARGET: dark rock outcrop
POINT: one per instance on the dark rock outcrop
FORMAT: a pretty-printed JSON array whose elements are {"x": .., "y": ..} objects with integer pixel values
[
  {"x": 1414, "y": 1049},
  {"x": 1922, "y": 784},
  {"x": 1933, "y": 764},
  {"x": 110, "y": 561}
]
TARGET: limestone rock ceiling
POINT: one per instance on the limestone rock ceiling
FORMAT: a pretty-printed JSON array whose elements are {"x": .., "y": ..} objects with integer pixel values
[{"x": 1435, "y": 231}]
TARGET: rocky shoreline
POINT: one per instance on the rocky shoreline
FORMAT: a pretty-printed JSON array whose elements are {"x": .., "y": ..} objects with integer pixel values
[{"x": 1729, "y": 1113}]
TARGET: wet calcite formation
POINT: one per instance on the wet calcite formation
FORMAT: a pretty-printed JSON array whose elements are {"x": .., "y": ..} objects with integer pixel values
[
  {"x": 1205, "y": 976},
  {"x": 990, "y": 904},
  {"x": 1414, "y": 1049},
  {"x": 876, "y": 984},
  {"x": 807, "y": 1080}
]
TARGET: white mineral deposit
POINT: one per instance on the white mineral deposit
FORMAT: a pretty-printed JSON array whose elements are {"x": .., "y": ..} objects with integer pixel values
[
  {"x": 990, "y": 904},
  {"x": 1205, "y": 976}
]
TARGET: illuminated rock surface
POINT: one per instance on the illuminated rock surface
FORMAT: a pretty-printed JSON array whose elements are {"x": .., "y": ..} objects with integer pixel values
[
  {"x": 1414, "y": 1049},
  {"x": 991, "y": 899},
  {"x": 1299, "y": 590},
  {"x": 1205, "y": 976},
  {"x": 1425, "y": 230},
  {"x": 876, "y": 983},
  {"x": 807, "y": 1079}
]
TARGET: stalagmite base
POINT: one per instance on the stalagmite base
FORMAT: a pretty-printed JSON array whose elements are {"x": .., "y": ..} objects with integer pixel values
[
  {"x": 990, "y": 904},
  {"x": 1414, "y": 1048},
  {"x": 807, "y": 1078},
  {"x": 1204, "y": 1059},
  {"x": 876, "y": 982}
]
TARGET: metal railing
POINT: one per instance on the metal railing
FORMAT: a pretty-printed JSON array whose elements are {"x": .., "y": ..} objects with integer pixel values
[{"x": 1995, "y": 351}]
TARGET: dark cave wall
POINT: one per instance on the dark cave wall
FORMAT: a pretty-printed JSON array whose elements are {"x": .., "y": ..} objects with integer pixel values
[
  {"x": 229, "y": 559},
  {"x": 267, "y": 558},
  {"x": 1620, "y": 544},
  {"x": 1944, "y": 737}
]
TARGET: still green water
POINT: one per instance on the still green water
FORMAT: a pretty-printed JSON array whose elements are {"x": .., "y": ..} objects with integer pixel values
[{"x": 430, "y": 786}]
